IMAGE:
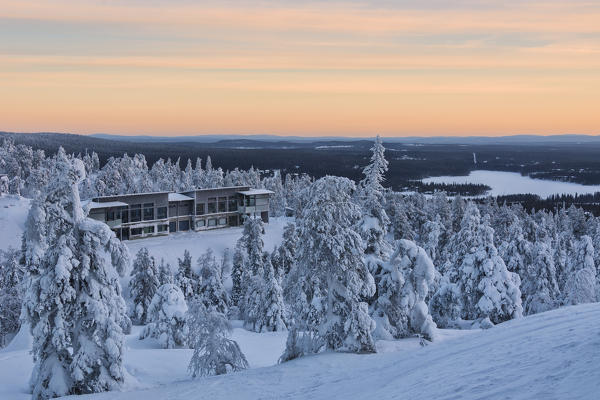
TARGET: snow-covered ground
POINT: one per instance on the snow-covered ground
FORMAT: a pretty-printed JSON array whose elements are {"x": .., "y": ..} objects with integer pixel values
[
  {"x": 505, "y": 183},
  {"x": 13, "y": 213},
  {"x": 553, "y": 355}
]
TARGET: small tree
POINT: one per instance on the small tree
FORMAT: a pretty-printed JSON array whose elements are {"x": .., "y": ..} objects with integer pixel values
[
  {"x": 143, "y": 284},
  {"x": 165, "y": 274},
  {"x": 237, "y": 273},
  {"x": 11, "y": 293},
  {"x": 212, "y": 292},
  {"x": 167, "y": 314},
  {"x": 186, "y": 278},
  {"x": 271, "y": 315},
  {"x": 214, "y": 352},
  {"x": 580, "y": 287}
]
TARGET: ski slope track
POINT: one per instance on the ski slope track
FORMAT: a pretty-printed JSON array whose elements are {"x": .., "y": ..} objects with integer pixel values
[{"x": 554, "y": 355}]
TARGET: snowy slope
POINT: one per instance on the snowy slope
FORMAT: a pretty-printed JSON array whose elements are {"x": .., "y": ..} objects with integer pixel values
[
  {"x": 554, "y": 355},
  {"x": 13, "y": 213}
]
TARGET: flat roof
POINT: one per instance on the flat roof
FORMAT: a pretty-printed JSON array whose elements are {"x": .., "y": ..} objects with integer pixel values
[
  {"x": 129, "y": 194},
  {"x": 107, "y": 204},
  {"x": 179, "y": 197},
  {"x": 215, "y": 188},
  {"x": 253, "y": 192}
]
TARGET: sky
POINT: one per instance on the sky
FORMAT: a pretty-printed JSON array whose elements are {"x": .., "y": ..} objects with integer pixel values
[{"x": 312, "y": 68}]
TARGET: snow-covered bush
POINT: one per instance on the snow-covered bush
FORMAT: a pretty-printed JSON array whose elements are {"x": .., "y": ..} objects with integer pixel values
[
  {"x": 167, "y": 314},
  {"x": 214, "y": 352}
]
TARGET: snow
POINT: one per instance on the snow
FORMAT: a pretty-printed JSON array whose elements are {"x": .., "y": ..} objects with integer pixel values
[
  {"x": 253, "y": 192},
  {"x": 13, "y": 213},
  {"x": 107, "y": 204},
  {"x": 179, "y": 197},
  {"x": 172, "y": 246},
  {"x": 505, "y": 183},
  {"x": 553, "y": 355}
]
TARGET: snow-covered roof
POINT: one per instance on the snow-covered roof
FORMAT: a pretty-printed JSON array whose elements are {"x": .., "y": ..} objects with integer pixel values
[
  {"x": 106, "y": 204},
  {"x": 129, "y": 194},
  {"x": 253, "y": 192},
  {"x": 179, "y": 197}
]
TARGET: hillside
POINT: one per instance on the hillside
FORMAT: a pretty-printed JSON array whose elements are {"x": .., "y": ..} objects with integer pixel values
[{"x": 553, "y": 355}]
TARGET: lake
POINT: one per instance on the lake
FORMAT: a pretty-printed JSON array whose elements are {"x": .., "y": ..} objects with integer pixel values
[{"x": 504, "y": 183}]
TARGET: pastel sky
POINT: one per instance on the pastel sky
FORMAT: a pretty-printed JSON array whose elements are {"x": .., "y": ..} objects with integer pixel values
[{"x": 352, "y": 68}]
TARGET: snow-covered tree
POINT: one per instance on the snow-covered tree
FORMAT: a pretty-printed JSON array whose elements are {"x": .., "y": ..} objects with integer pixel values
[
  {"x": 186, "y": 278},
  {"x": 165, "y": 274},
  {"x": 253, "y": 270},
  {"x": 286, "y": 252},
  {"x": 212, "y": 292},
  {"x": 488, "y": 289},
  {"x": 331, "y": 271},
  {"x": 538, "y": 281},
  {"x": 167, "y": 314},
  {"x": 11, "y": 293},
  {"x": 446, "y": 304},
  {"x": 403, "y": 285},
  {"x": 238, "y": 288},
  {"x": 214, "y": 352},
  {"x": 73, "y": 301},
  {"x": 277, "y": 202},
  {"x": 580, "y": 287},
  {"x": 143, "y": 284},
  {"x": 271, "y": 313}
]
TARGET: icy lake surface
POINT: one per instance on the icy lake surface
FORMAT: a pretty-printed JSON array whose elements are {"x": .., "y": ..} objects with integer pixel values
[{"x": 504, "y": 183}]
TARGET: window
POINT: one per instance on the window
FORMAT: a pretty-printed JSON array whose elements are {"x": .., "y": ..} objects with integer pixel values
[
  {"x": 222, "y": 204},
  {"x": 136, "y": 231},
  {"x": 223, "y": 221},
  {"x": 110, "y": 215},
  {"x": 212, "y": 222},
  {"x": 163, "y": 228},
  {"x": 232, "y": 204},
  {"x": 173, "y": 226},
  {"x": 125, "y": 215},
  {"x": 233, "y": 220},
  {"x": 201, "y": 223},
  {"x": 250, "y": 201},
  {"x": 136, "y": 213},
  {"x": 200, "y": 209},
  {"x": 184, "y": 225},
  {"x": 212, "y": 205},
  {"x": 148, "y": 229},
  {"x": 148, "y": 211},
  {"x": 161, "y": 213}
]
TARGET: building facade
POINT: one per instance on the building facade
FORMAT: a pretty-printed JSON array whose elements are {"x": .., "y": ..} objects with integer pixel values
[{"x": 140, "y": 215}]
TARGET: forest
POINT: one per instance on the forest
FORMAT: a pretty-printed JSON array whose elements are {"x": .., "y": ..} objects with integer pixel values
[{"x": 357, "y": 263}]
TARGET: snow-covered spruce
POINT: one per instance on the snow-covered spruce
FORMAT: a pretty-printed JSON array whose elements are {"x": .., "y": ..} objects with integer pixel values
[
  {"x": 211, "y": 291},
  {"x": 186, "y": 278},
  {"x": 165, "y": 274},
  {"x": 214, "y": 353},
  {"x": 581, "y": 284},
  {"x": 331, "y": 272},
  {"x": 11, "y": 293},
  {"x": 73, "y": 302},
  {"x": 143, "y": 284},
  {"x": 403, "y": 285},
  {"x": 167, "y": 314},
  {"x": 271, "y": 313},
  {"x": 488, "y": 289}
]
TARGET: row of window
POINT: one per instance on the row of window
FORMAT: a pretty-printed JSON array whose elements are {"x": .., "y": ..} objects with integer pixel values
[
  {"x": 137, "y": 213},
  {"x": 217, "y": 204}
]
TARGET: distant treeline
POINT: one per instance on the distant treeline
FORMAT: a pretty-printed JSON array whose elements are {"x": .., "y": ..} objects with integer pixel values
[
  {"x": 451, "y": 189},
  {"x": 588, "y": 202}
]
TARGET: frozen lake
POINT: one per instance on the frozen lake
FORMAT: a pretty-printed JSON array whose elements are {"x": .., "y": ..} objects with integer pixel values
[{"x": 504, "y": 183}]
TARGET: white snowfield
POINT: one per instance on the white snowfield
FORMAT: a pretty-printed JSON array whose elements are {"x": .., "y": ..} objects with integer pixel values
[{"x": 553, "y": 355}]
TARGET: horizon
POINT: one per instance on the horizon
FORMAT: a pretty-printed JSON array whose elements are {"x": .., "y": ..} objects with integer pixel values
[{"x": 336, "y": 69}]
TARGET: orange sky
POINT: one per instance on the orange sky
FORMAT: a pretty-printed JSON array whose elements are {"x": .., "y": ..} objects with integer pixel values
[{"x": 472, "y": 67}]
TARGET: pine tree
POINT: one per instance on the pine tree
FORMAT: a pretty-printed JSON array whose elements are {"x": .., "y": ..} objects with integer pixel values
[
  {"x": 165, "y": 274},
  {"x": 73, "y": 300},
  {"x": 11, "y": 293},
  {"x": 271, "y": 315},
  {"x": 212, "y": 292},
  {"x": 489, "y": 290},
  {"x": 237, "y": 273},
  {"x": 214, "y": 352},
  {"x": 539, "y": 284},
  {"x": 167, "y": 314},
  {"x": 581, "y": 284},
  {"x": 403, "y": 286},
  {"x": 186, "y": 278},
  {"x": 143, "y": 284},
  {"x": 331, "y": 271}
]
